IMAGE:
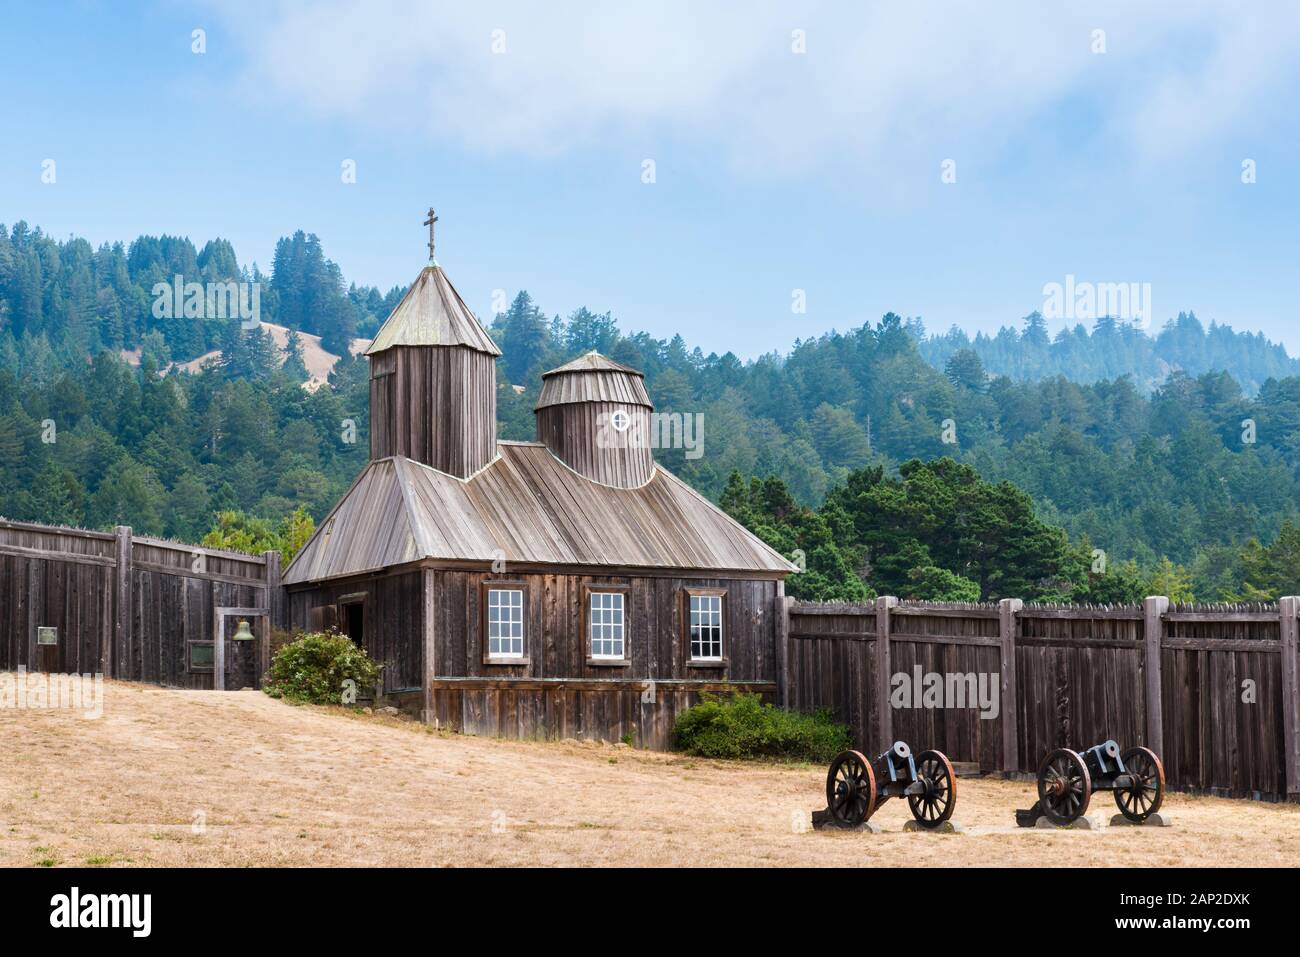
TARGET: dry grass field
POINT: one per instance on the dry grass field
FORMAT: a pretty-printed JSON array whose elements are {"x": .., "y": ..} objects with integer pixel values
[{"x": 167, "y": 778}]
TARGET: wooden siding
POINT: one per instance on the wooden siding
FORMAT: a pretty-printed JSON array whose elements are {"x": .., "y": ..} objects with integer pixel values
[
  {"x": 557, "y": 692},
  {"x": 74, "y": 597},
  {"x": 168, "y": 613},
  {"x": 831, "y": 665},
  {"x": 528, "y": 508},
  {"x": 436, "y": 405},
  {"x": 572, "y": 709},
  {"x": 1079, "y": 679},
  {"x": 945, "y": 645},
  {"x": 1215, "y": 741},
  {"x": 581, "y": 436},
  {"x": 392, "y": 621}
]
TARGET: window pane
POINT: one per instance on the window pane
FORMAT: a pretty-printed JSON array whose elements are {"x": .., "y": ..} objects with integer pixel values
[
  {"x": 606, "y": 625},
  {"x": 706, "y": 626},
  {"x": 505, "y": 622}
]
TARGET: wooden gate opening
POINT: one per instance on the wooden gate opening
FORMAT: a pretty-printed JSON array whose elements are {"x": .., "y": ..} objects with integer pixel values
[{"x": 258, "y": 656}]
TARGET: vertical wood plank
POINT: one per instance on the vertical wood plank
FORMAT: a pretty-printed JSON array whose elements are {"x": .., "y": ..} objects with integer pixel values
[
  {"x": 1288, "y": 608},
  {"x": 430, "y": 620},
  {"x": 218, "y": 650},
  {"x": 274, "y": 592},
  {"x": 118, "y": 665},
  {"x": 1008, "y": 609},
  {"x": 781, "y": 607},
  {"x": 274, "y": 603},
  {"x": 1153, "y": 633},
  {"x": 884, "y": 716}
]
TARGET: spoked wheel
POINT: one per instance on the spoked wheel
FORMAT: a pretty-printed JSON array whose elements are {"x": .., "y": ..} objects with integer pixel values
[
  {"x": 1064, "y": 786},
  {"x": 934, "y": 806},
  {"x": 850, "y": 789},
  {"x": 1148, "y": 791}
]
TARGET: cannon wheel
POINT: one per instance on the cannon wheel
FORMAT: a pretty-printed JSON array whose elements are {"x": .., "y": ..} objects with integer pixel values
[
  {"x": 936, "y": 805},
  {"x": 1143, "y": 799},
  {"x": 850, "y": 789},
  {"x": 1064, "y": 786}
]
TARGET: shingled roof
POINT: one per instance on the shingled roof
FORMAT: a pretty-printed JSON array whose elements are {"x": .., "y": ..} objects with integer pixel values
[
  {"x": 527, "y": 507},
  {"x": 593, "y": 378},
  {"x": 432, "y": 314}
]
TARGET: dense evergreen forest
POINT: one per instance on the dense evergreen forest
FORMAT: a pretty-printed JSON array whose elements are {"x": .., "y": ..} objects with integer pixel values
[
  {"x": 1114, "y": 348},
  {"x": 1098, "y": 466}
]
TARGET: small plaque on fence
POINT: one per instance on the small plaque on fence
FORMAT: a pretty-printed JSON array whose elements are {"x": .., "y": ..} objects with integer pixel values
[{"x": 47, "y": 635}]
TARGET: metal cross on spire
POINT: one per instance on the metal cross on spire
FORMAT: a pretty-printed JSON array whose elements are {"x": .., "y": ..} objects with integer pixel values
[{"x": 429, "y": 222}]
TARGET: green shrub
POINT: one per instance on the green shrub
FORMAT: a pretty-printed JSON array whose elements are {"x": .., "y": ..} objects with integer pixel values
[
  {"x": 314, "y": 667},
  {"x": 741, "y": 726}
]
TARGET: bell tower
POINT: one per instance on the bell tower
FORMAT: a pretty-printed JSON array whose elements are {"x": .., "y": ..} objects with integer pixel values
[{"x": 433, "y": 379}]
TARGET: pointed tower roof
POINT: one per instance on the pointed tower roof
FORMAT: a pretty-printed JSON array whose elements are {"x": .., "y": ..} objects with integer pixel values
[
  {"x": 593, "y": 378},
  {"x": 432, "y": 314}
]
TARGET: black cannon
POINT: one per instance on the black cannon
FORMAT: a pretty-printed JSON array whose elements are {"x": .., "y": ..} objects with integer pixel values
[
  {"x": 1067, "y": 780},
  {"x": 857, "y": 786}
]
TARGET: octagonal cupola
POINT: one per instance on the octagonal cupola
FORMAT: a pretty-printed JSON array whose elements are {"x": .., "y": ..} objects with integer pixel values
[{"x": 594, "y": 414}]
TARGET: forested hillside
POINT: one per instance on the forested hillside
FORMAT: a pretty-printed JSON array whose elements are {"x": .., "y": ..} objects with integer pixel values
[
  {"x": 1113, "y": 348},
  {"x": 1185, "y": 489}
]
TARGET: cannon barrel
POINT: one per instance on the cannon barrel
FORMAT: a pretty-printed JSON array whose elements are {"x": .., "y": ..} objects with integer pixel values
[
  {"x": 1105, "y": 759},
  {"x": 899, "y": 751}
]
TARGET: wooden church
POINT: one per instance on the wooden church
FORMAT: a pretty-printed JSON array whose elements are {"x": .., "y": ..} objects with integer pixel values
[{"x": 567, "y": 587}]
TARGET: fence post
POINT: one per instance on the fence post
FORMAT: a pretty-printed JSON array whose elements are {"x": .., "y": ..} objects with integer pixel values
[
  {"x": 274, "y": 605},
  {"x": 274, "y": 593},
  {"x": 119, "y": 662},
  {"x": 884, "y": 715},
  {"x": 781, "y": 606},
  {"x": 1008, "y": 608},
  {"x": 1288, "y": 608},
  {"x": 1153, "y": 633}
]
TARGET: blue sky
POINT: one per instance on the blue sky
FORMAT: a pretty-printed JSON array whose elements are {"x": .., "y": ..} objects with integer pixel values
[{"x": 775, "y": 170}]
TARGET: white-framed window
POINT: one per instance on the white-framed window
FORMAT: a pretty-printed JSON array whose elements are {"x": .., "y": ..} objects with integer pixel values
[
  {"x": 607, "y": 622},
  {"x": 706, "y": 627},
  {"x": 505, "y": 622}
]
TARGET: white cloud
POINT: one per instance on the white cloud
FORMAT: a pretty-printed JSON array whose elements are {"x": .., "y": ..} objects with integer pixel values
[{"x": 914, "y": 78}]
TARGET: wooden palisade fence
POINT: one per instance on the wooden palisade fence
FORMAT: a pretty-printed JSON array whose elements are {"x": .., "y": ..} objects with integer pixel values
[
  {"x": 1211, "y": 688},
  {"x": 139, "y": 609}
]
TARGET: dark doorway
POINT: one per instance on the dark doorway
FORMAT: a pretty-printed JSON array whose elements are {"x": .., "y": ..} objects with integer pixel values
[{"x": 354, "y": 623}]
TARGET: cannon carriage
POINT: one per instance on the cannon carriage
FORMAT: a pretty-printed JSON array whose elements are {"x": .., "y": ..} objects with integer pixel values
[
  {"x": 1067, "y": 780},
  {"x": 856, "y": 785}
]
